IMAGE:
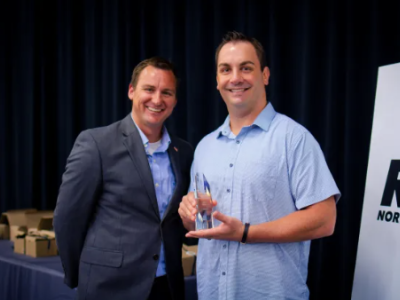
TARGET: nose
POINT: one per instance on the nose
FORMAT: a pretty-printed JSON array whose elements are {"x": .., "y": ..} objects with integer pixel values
[
  {"x": 236, "y": 77},
  {"x": 157, "y": 98}
]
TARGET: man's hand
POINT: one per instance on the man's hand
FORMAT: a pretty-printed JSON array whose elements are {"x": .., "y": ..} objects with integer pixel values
[
  {"x": 231, "y": 229},
  {"x": 188, "y": 210}
]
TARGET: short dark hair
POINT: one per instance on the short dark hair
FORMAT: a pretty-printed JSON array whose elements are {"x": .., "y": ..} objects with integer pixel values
[
  {"x": 234, "y": 36},
  {"x": 157, "y": 62}
]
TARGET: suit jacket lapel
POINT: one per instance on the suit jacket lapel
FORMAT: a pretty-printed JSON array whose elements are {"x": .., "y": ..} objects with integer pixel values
[
  {"x": 174, "y": 159},
  {"x": 134, "y": 145}
]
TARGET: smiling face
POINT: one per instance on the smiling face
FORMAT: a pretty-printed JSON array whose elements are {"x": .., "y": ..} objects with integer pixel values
[
  {"x": 240, "y": 79},
  {"x": 153, "y": 98}
]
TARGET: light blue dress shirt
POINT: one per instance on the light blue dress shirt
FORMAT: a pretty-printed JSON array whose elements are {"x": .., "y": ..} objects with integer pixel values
[
  {"x": 164, "y": 181},
  {"x": 270, "y": 169}
]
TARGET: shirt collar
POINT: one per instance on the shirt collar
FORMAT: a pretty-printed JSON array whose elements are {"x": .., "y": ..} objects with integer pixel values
[
  {"x": 263, "y": 120},
  {"x": 165, "y": 138}
]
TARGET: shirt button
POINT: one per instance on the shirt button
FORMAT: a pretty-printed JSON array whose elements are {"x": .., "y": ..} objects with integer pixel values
[
  {"x": 224, "y": 246},
  {"x": 154, "y": 160},
  {"x": 223, "y": 273},
  {"x": 231, "y": 165},
  {"x": 228, "y": 190},
  {"x": 156, "y": 257},
  {"x": 156, "y": 184},
  {"x": 237, "y": 142}
]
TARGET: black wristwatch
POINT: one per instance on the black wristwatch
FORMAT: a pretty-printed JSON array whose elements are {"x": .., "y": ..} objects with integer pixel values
[{"x": 245, "y": 232}]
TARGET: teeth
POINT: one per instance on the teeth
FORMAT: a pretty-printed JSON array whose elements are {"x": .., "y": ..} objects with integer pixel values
[
  {"x": 154, "y": 109},
  {"x": 237, "y": 91}
]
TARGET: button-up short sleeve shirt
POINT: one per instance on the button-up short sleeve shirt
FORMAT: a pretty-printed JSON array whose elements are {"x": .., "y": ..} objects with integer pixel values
[{"x": 272, "y": 168}]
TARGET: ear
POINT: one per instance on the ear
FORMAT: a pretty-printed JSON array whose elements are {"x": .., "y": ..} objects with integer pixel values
[
  {"x": 131, "y": 92},
  {"x": 266, "y": 75},
  {"x": 217, "y": 82}
]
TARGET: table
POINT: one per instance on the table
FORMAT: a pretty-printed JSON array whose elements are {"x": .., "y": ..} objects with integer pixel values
[{"x": 27, "y": 278}]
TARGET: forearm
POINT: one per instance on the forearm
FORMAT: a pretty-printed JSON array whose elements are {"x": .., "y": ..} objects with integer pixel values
[{"x": 313, "y": 222}]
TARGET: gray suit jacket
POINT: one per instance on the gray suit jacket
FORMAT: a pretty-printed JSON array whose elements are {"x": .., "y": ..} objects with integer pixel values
[{"x": 108, "y": 227}]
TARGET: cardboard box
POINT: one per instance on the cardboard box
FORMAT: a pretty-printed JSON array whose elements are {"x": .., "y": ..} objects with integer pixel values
[
  {"x": 16, "y": 230},
  {"x": 34, "y": 218},
  {"x": 40, "y": 246},
  {"x": 4, "y": 232},
  {"x": 19, "y": 245},
  {"x": 41, "y": 242},
  {"x": 189, "y": 254},
  {"x": 17, "y": 216},
  {"x": 4, "y": 228},
  {"x": 17, "y": 220}
]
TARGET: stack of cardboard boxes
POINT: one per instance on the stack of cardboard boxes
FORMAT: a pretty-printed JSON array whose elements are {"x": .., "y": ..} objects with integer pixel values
[
  {"x": 13, "y": 223},
  {"x": 30, "y": 230}
]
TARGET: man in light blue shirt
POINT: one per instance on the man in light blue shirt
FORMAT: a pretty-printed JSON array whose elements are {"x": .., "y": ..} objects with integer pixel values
[{"x": 272, "y": 188}]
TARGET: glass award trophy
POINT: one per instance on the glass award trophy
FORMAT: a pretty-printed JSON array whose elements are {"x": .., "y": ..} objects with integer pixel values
[{"x": 202, "y": 193}]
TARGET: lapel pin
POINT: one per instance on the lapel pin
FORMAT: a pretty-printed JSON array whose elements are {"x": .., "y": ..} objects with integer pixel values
[{"x": 176, "y": 149}]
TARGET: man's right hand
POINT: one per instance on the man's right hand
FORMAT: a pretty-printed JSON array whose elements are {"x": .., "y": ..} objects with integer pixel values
[{"x": 187, "y": 211}]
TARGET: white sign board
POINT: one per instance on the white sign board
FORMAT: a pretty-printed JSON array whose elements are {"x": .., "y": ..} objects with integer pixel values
[{"x": 377, "y": 273}]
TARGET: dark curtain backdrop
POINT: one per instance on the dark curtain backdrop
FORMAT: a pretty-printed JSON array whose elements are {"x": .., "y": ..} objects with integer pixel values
[{"x": 65, "y": 66}]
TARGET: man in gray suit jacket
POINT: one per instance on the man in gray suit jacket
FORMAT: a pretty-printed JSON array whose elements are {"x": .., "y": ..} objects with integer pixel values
[{"x": 117, "y": 225}]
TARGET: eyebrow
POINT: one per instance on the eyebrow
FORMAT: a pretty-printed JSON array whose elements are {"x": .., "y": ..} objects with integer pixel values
[
  {"x": 241, "y": 64},
  {"x": 169, "y": 90},
  {"x": 247, "y": 62},
  {"x": 148, "y": 86},
  {"x": 153, "y": 87}
]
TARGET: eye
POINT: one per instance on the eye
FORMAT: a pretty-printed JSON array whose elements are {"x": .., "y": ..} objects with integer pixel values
[
  {"x": 224, "y": 70},
  {"x": 247, "y": 69},
  {"x": 168, "y": 94}
]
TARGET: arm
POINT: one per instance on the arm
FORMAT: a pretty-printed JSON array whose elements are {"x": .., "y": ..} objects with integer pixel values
[
  {"x": 310, "y": 182},
  {"x": 313, "y": 222},
  {"x": 316, "y": 221},
  {"x": 76, "y": 199}
]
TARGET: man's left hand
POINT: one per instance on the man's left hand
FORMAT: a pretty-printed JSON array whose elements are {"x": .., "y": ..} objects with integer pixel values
[{"x": 231, "y": 229}]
